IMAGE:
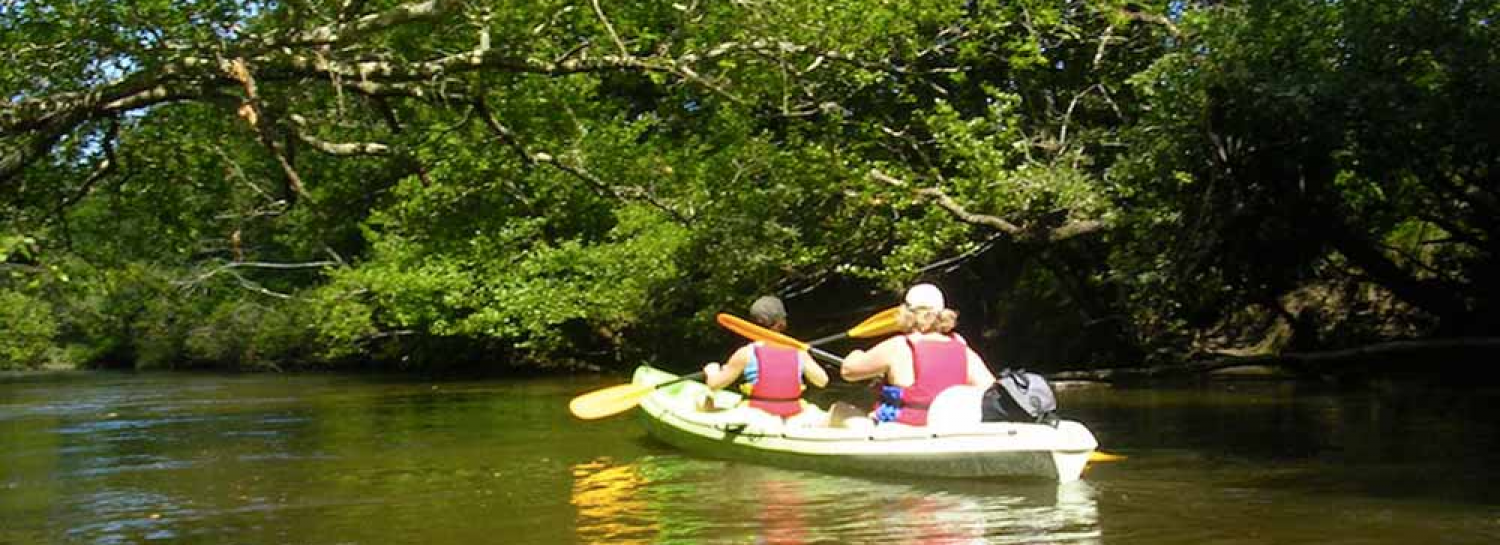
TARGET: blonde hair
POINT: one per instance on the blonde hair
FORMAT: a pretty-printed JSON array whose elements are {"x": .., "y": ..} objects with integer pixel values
[{"x": 926, "y": 320}]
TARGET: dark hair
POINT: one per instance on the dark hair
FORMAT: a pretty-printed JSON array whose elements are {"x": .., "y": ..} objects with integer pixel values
[{"x": 768, "y": 311}]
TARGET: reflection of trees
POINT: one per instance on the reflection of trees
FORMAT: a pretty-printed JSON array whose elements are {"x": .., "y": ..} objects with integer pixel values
[
  {"x": 30, "y": 457},
  {"x": 679, "y": 499}
]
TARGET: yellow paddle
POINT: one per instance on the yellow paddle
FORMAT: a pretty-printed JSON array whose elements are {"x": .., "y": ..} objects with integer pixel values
[
  {"x": 617, "y": 399},
  {"x": 881, "y": 324},
  {"x": 754, "y": 332},
  {"x": 1100, "y": 456}
]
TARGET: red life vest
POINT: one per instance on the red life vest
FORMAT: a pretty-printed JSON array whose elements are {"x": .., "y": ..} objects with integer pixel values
[
  {"x": 937, "y": 365},
  {"x": 778, "y": 383}
]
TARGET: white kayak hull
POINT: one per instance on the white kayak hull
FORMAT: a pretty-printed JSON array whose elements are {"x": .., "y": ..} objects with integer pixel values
[{"x": 961, "y": 449}]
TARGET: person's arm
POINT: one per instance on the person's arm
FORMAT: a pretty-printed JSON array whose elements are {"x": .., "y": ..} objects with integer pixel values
[
  {"x": 718, "y": 376},
  {"x": 979, "y": 373},
  {"x": 860, "y": 364},
  {"x": 811, "y": 371}
]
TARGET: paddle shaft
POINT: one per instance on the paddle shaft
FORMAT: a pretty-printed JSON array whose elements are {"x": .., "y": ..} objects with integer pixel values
[
  {"x": 881, "y": 323},
  {"x": 691, "y": 376},
  {"x": 824, "y": 355},
  {"x": 761, "y": 334},
  {"x": 830, "y": 338}
]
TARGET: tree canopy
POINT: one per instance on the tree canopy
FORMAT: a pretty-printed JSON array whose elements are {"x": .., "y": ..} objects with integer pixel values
[{"x": 272, "y": 184}]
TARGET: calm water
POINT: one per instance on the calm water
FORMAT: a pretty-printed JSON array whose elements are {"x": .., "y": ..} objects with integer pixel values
[{"x": 120, "y": 458}]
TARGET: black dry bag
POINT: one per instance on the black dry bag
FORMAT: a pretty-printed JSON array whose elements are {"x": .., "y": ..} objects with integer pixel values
[{"x": 1018, "y": 396}]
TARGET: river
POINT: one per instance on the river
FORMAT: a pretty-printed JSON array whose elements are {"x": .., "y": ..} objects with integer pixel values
[{"x": 331, "y": 458}]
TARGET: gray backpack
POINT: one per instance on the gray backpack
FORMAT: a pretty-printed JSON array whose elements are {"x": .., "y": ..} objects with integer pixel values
[{"x": 1018, "y": 396}]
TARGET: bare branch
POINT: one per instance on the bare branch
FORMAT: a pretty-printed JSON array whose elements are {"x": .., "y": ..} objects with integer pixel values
[
  {"x": 598, "y": 185},
  {"x": 507, "y": 136},
  {"x": 952, "y": 263},
  {"x": 610, "y": 28},
  {"x": 1104, "y": 39},
  {"x": 1070, "y": 229},
  {"x": 605, "y": 189},
  {"x": 282, "y": 266},
  {"x": 349, "y": 31},
  {"x": 1062, "y": 135},
  {"x": 947, "y": 203},
  {"x": 342, "y": 149},
  {"x": 253, "y": 113},
  {"x": 689, "y": 74},
  {"x": 107, "y": 166},
  {"x": 228, "y": 268},
  {"x": 1134, "y": 15}
]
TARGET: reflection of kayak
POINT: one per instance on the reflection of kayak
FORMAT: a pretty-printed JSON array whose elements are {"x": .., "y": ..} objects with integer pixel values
[{"x": 958, "y": 449}]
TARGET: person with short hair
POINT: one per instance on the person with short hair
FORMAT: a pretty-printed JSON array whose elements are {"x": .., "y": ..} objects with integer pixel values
[
  {"x": 774, "y": 376},
  {"x": 919, "y": 364}
]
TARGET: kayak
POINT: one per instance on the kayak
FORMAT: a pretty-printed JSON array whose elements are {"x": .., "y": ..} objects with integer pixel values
[{"x": 954, "y": 444}]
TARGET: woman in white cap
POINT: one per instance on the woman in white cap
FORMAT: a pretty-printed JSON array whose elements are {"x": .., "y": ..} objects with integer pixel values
[{"x": 920, "y": 363}]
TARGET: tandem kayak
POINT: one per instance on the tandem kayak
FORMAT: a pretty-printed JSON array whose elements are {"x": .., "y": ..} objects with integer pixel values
[{"x": 955, "y": 445}]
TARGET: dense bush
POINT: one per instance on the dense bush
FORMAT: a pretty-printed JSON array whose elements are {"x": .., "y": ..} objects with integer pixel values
[{"x": 29, "y": 332}]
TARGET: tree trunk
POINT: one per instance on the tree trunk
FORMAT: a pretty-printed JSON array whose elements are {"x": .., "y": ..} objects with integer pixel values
[{"x": 1430, "y": 296}]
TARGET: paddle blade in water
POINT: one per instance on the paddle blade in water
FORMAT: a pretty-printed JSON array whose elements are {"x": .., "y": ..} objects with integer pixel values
[
  {"x": 757, "y": 333},
  {"x": 1100, "y": 456},
  {"x": 609, "y": 401},
  {"x": 877, "y": 325}
]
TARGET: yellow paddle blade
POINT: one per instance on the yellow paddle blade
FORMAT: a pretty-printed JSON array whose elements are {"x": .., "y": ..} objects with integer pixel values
[
  {"x": 1101, "y": 456},
  {"x": 608, "y": 401},
  {"x": 878, "y": 325},
  {"x": 757, "y": 333}
]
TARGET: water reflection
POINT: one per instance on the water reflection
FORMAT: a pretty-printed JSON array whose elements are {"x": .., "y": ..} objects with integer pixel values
[
  {"x": 610, "y": 506},
  {"x": 676, "y": 498},
  {"x": 327, "y": 459}
]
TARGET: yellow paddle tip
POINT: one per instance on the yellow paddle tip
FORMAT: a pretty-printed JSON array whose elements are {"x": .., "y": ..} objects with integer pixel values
[
  {"x": 883, "y": 323},
  {"x": 608, "y": 401},
  {"x": 1101, "y": 456}
]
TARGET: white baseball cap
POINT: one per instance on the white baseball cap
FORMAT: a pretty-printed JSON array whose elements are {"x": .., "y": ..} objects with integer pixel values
[{"x": 925, "y": 296}]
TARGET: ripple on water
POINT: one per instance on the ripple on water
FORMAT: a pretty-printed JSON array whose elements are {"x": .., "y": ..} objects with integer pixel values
[
  {"x": 108, "y": 425},
  {"x": 115, "y": 466},
  {"x": 124, "y": 515}
]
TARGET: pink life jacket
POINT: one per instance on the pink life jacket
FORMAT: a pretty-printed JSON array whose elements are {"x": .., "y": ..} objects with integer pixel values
[
  {"x": 937, "y": 365},
  {"x": 778, "y": 383}
]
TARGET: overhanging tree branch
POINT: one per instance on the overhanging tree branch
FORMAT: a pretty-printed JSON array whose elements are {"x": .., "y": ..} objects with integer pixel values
[
  {"x": 1070, "y": 229},
  {"x": 598, "y": 185},
  {"x": 107, "y": 166},
  {"x": 342, "y": 149},
  {"x": 359, "y": 27}
]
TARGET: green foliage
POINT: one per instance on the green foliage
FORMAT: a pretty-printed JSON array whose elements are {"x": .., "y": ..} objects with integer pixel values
[
  {"x": 29, "y": 330},
  {"x": 1158, "y": 166},
  {"x": 1299, "y": 130},
  {"x": 247, "y": 334}
]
